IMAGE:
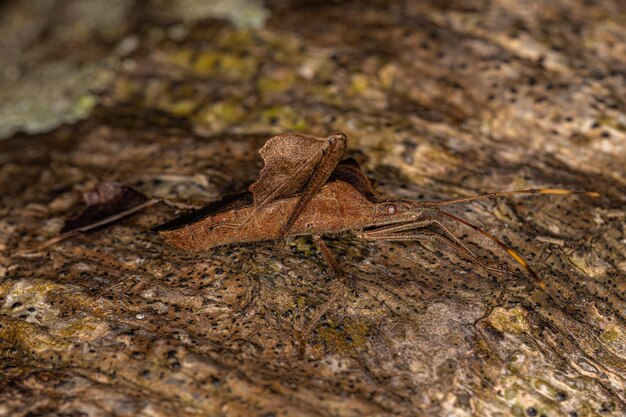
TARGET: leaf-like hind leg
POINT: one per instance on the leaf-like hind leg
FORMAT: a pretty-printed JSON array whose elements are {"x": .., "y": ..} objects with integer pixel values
[{"x": 340, "y": 286}]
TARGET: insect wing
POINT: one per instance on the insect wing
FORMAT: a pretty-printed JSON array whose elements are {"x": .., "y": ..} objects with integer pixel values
[{"x": 291, "y": 160}]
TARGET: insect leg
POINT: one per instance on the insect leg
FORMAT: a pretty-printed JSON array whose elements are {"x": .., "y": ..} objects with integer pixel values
[
  {"x": 340, "y": 286},
  {"x": 424, "y": 223},
  {"x": 512, "y": 252},
  {"x": 448, "y": 240},
  {"x": 379, "y": 234}
]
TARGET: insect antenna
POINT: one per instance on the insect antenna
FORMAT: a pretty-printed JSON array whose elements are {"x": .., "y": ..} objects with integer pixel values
[
  {"x": 512, "y": 252},
  {"x": 557, "y": 191}
]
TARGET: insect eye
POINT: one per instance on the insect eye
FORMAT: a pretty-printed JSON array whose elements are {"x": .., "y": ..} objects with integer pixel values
[{"x": 391, "y": 209}]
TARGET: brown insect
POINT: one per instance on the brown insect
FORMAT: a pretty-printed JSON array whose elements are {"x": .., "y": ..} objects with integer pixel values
[{"x": 304, "y": 189}]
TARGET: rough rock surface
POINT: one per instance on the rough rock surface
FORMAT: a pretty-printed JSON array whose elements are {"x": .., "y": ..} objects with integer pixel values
[{"x": 438, "y": 99}]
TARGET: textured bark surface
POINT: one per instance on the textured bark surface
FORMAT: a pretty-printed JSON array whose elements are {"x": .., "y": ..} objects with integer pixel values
[{"x": 438, "y": 99}]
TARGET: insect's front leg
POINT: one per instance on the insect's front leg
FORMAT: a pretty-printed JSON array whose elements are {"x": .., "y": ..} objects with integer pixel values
[{"x": 411, "y": 231}]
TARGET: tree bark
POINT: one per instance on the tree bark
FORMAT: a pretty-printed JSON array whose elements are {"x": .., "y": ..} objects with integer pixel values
[{"x": 438, "y": 100}]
